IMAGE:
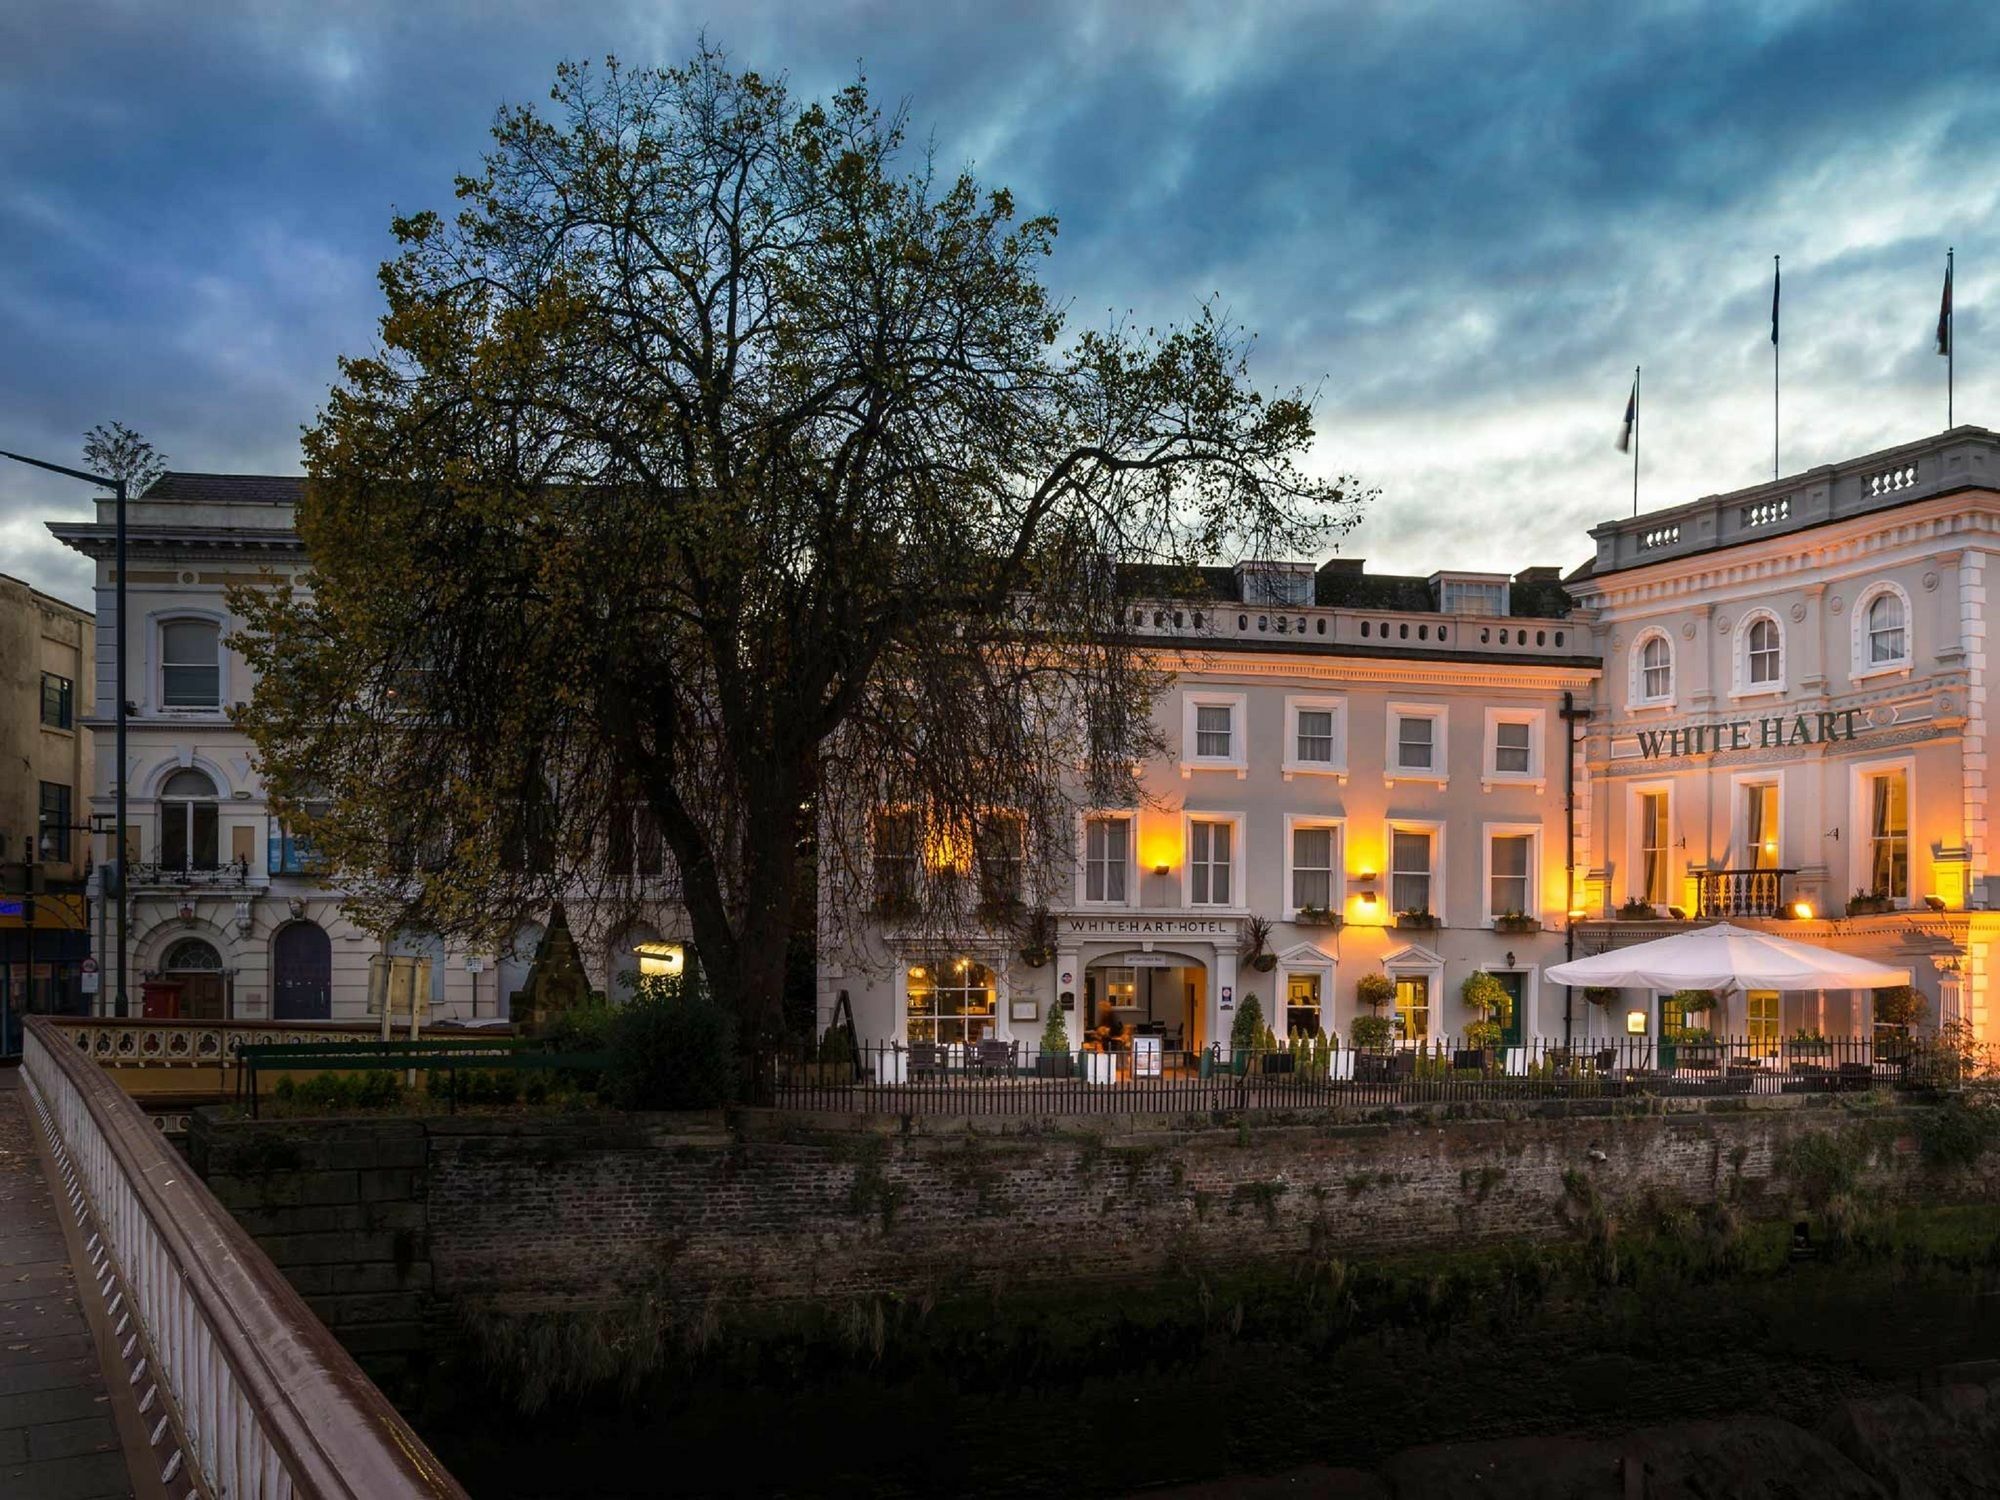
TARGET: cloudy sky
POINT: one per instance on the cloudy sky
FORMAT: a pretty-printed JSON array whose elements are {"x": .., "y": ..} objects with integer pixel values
[{"x": 1464, "y": 224}]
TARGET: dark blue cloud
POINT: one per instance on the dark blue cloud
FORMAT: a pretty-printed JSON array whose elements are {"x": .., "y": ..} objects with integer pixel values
[{"x": 1463, "y": 224}]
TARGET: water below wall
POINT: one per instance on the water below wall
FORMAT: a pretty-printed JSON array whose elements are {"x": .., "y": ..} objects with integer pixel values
[{"x": 1205, "y": 1378}]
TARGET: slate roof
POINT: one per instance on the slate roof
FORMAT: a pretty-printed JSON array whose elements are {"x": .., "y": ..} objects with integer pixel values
[{"x": 232, "y": 489}]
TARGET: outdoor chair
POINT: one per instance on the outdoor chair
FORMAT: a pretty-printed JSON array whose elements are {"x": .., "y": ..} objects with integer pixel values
[
  {"x": 927, "y": 1060},
  {"x": 993, "y": 1055}
]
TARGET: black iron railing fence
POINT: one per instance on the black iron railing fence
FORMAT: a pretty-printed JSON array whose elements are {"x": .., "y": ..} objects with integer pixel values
[{"x": 1015, "y": 1078}]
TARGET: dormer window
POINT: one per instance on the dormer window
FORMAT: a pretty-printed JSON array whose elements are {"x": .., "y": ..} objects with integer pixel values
[
  {"x": 1289, "y": 584},
  {"x": 1471, "y": 593}
]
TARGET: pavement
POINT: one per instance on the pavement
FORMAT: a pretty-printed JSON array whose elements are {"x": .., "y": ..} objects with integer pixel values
[{"x": 59, "y": 1437}]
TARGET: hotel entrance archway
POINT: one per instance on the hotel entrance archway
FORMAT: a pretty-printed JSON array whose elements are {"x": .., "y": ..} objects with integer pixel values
[{"x": 1163, "y": 995}]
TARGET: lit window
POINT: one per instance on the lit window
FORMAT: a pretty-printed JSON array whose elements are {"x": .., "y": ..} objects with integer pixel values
[
  {"x": 1656, "y": 669},
  {"x": 1209, "y": 862},
  {"x": 1653, "y": 852},
  {"x": 1312, "y": 867},
  {"x": 1510, "y": 858},
  {"x": 1410, "y": 870},
  {"x": 659, "y": 960},
  {"x": 1413, "y": 1007},
  {"x": 1765, "y": 652},
  {"x": 1760, "y": 825},
  {"x": 1886, "y": 641},
  {"x": 190, "y": 664},
  {"x": 1761, "y": 1007},
  {"x": 1302, "y": 1005},
  {"x": 1512, "y": 752},
  {"x": 1107, "y": 846},
  {"x": 950, "y": 1001},
  {"x": 1889, "y": 834}
]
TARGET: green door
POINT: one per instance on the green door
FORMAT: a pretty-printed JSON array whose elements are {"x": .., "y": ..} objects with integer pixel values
[{"x": 1514, "y": 983}]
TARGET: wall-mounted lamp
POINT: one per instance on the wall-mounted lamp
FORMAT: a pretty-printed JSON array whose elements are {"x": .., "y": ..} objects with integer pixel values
[
  {"x": 1161, "y": 869},
  {"x": 1367, "y": 898},
  {"x": 1510, "y": 958},
  {"x": 1935, "y": 903},
  {"x": 1635, "y": 1022},
  {"x": 1578, "y": 913}
]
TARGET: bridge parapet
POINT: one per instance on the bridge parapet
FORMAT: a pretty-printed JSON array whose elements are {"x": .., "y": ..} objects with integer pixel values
[{"x": 271, "y": 1405}]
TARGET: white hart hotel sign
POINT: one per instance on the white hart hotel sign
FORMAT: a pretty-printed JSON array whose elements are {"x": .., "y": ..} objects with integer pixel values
[{"x": 1777, "y": 732}]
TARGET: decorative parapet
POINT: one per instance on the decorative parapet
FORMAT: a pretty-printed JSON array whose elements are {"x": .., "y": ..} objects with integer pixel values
[{"x": 270, "y": 1404}]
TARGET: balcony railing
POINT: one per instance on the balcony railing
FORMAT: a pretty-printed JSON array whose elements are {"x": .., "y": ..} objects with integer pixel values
[
  {"x": 232, "y": 876},
  {"x": 1742, "y": 893}
]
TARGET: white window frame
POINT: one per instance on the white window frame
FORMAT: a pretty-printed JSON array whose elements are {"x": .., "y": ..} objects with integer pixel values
[
  {"x": 1859, "y": 810},
  {"x": 1536, "y": 776},
  {"x": 1635, "y": 843},
  {"x": 1439, "y": 771},
  {"x": 1435, "y": 827},
  {"x": 1860, "y": 667},
  {"x": 1132, "y": 872},
  {"x": 1336, "y": 767},
  {"x": 1533, "y": 833},
  {"x": 157, "y": 677},
  {"x": 1741, "y": 857},
  {"x": 1305, "y": 958},
  {"x": 1418, "y": 962},
  {"x": 1636, "y": 696},
  {"x": 1337, "y": 877},
  {"x": 1238, "y": 861},
  {"x": 1745, "y": 688},
  {"x": 1238, "y": 760},
  {"x": 995, "y": 963}
]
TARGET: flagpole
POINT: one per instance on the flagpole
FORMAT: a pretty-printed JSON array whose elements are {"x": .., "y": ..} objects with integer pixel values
[
  {"x": 1950, "y": 342},
  {"x": 1774, "y": 366},
  {"x": 1635, "y": 440}
]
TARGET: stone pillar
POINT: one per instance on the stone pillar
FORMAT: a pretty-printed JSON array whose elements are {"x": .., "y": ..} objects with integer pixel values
[
  {"x": 1811, "y": 630},
  {"x": 1220, "y": 1020}
]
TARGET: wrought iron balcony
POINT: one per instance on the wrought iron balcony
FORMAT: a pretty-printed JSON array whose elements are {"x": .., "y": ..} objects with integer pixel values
[
  {"x": 1742, "y": 893},
  {"x": 232, "y": 876}
]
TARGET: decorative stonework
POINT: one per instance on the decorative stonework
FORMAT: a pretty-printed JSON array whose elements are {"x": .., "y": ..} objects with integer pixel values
[
  {"x": 1687, "y": 631},
  {"x": 1836, "y": 604},
  {"x": 1930, "y": 583},
  {"x": 1798, "y": 613},
  {"x": 1722, "y": 625}
]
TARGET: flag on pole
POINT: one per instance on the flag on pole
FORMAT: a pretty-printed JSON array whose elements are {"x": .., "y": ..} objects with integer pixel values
[
  {"x": 1631, "y": 416},
  {"x": 1944, "y": 314},
  {"x": 1774, "y": 302}
]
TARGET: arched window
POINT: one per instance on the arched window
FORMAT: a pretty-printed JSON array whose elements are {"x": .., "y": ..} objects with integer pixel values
[
  {"x": 1656, "y": 669},
  {"x": 1764, "y": 656},
  {"x": 191, "y": 664},
  {"x": 191, "y": 956},
  {"x": 1888, "y": 636},
  {"x": 188, "y": 832}
]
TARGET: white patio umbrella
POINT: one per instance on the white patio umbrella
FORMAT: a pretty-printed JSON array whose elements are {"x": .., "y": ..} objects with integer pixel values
[{"x": 1723, "y": 957}]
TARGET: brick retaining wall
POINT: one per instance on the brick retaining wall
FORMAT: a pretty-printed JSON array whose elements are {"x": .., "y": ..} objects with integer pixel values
[{"x": 380, "y": 1221}]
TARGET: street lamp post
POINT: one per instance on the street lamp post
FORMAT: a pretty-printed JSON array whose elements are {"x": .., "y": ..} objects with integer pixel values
[{"x": 117, "y": 487}]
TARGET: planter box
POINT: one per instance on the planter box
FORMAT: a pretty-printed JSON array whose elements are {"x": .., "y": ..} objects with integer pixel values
[
  {"x": 1331, "y": 919},
  {"x": 1517, "y": 924},
  {"x": 1100, "y": 1067},
  {"x": 1407, "y": 922},
  {"x": 1055, "y": 1065}
]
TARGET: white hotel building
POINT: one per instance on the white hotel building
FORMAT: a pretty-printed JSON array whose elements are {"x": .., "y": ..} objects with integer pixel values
[{"x": 1779, "y": 696}]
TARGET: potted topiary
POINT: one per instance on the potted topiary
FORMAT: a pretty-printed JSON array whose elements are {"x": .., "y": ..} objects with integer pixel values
[
  {"x": 1245, "y": 1033},
  {"x": 1370, "y": 1033},
  {"x": 1487, "y": 998},
  {"x": 1278, "y": 1057},
  {"x": 1055, "y": 1060}
]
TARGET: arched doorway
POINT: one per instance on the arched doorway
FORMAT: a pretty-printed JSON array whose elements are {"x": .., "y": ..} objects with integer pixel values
[
  {"x": 302, "y": 965},
  {"x": 198, "y": 968},
  {"x": 1147, "y": 993}
]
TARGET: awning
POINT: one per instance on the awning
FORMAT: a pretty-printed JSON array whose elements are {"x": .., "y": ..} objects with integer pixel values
[{"x": 1723, "y": 957}]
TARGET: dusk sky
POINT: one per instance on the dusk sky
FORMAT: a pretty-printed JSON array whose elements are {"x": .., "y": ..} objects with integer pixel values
[{"x": 1463, "y": 224}]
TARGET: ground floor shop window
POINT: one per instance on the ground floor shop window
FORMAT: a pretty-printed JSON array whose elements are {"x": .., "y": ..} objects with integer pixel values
[
  {"x": 950, "y": 1001},
  {"x": 1413, "y": 1008},
  {"x": 1302, "y": 1005}
]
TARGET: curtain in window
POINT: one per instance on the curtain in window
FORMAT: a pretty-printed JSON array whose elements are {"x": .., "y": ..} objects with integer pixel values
[{"x": 1410, "y": 871}]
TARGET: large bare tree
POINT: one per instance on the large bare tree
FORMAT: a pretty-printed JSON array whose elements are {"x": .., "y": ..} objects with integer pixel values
[{"x": 719, "y": 479}]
